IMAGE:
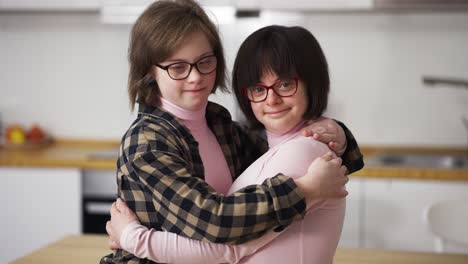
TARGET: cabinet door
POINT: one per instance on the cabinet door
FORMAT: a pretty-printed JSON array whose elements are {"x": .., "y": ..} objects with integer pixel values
[
  {"x": 49, "y": 4},
  {"x": 351, "y": 236},
  {"x": 306, "y": 4},
  {"x": 39, "y": 206},
  {"x": 393, "y": 211}
]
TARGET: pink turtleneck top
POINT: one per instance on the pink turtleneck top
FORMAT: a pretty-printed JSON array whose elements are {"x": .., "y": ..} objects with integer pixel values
[
  {"x": 312, "y": 240},
  {"x": 217, "y": 172}
]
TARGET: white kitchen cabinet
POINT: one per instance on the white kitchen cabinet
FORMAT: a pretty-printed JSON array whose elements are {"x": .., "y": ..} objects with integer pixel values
[
  {"x": 39, "y": 206},
  {"x": 393, "y": 211},
  {"x": 49, "y": 5},
  {"x": 351, "y": 236},
  {"x": 305, "y": 5}
]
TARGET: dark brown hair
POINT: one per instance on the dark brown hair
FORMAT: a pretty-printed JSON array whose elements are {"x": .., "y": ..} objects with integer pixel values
[
  {"x": 287, "y": 52},
  {"x": 157, "y": 34}
]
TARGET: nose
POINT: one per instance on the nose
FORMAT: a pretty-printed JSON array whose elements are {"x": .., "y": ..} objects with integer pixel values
[
  {"x": 194, "y": 75},
  {"x": 272, "y": 98}
]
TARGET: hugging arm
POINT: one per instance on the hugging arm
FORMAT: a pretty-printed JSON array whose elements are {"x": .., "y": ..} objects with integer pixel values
[
  {"x": 161, "y": 188},
  {"x": 145, "y": 187},
  {"x": 352, "y": 156},
  {"x": 169, "y": 247},
  {"x": 166, "y": 247}
]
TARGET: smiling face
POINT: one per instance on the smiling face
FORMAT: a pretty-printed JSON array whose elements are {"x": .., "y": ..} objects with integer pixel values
[
  {"x": 283, "y": 52},
  {"x": 192, "y": 92},
  {"x": 280, "y": 114}
]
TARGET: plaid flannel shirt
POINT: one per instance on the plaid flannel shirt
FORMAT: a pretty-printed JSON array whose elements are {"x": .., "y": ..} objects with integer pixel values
[{"x": 160, "y": 175}]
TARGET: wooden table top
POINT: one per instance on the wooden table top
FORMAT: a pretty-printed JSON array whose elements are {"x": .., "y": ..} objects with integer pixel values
[{"x": 82, "y": 249}]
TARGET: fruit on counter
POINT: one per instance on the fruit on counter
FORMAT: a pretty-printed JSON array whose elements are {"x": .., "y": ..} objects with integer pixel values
[
  {"x": 15, "y": 134},
  {"x": 36, "y": 134}
]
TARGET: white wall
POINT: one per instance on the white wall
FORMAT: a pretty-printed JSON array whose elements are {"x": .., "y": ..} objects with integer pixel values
[{"x": 68, "y": 72}]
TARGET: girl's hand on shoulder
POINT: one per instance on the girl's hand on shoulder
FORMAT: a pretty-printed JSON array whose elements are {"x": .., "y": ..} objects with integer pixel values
[
  {"x": 121, "y": 216},
  {"x": 327, "y": 131},
  {"x": 329, "y": 176},
  {"x": 325, "y": 178}
]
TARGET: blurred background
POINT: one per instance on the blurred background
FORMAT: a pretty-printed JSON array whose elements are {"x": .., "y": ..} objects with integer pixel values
[{"x": 67, "y": 70}]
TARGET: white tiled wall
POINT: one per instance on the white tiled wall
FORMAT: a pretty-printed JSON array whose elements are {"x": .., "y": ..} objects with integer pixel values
[{"x": 68, "y": 72}]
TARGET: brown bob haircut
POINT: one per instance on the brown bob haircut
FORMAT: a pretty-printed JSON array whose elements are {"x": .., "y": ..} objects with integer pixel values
[
  {"x": 287, "y": 52},
  {"x": 162, "y": 28}
]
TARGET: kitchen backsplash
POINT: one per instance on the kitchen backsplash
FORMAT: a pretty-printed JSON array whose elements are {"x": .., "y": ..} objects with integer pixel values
[{"x": 68, "y": 72}]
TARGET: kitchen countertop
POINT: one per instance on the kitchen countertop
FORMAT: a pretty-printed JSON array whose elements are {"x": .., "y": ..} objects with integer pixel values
[
  {"x": 102, "y": 155},
  {"x": 82, "y": 154},
  {"x": 90, "y": 248},
  {"x": 407, "y": 172}
]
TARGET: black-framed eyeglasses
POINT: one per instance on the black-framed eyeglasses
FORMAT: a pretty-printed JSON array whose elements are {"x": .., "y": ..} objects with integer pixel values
[
  {"x": 259, "y": 92},
  {"x": 181, "y": 70}
]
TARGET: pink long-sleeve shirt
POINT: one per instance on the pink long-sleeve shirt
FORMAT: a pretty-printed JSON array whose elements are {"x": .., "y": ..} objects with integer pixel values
[
  {"x": 217, "y": 172},
  {"x": 312, "y": 240}
]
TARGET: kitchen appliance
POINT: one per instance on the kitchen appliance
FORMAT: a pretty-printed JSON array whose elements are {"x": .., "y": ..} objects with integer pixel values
[{"x": 99, "y": 192}]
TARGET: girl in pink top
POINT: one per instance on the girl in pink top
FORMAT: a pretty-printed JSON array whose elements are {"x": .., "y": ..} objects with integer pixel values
[{"x": 280, "y": 79}]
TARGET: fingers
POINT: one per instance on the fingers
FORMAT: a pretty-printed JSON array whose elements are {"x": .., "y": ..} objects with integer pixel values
[
  {"x": 341, "y": 193},
  {"x": 307, "y": 132},
  {"x": 343, "y": 170},
  {"x": 328, "y": 156},
  {"x": 345, "y": 180},
  {"x": 109, "y": 230},
  {"x": 324, "y": 138},
  {"x": 114, "y": 210},
  {"x": 310, "y": 121},
  {"x": 123, "y": 208},
  {"x": 312, "y": 130},
  {"x": 335, "y": 146},
  {"x": 113, "y": 244},
  {"x": 120, "y": 204},
  {"x": 337, "y": 161},
  {"x": 110, "y": 243}
]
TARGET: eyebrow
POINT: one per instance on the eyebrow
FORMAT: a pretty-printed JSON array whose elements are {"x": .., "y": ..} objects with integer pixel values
[
  {"x": 277, "y": 79},
  {"x": 209, "y": 53}
]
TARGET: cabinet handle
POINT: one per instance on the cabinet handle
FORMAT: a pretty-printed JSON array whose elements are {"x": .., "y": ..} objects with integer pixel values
[{"x": 98, "y": 208}]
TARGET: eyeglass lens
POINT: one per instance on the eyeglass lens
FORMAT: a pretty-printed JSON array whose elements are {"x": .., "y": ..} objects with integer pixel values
[
  {"x": 181, "y": 70},
  {"x": 283, "y": 88}
]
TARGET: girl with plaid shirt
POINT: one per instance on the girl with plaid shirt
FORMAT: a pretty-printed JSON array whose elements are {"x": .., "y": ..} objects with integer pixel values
[{"x": 180, "y": 142}]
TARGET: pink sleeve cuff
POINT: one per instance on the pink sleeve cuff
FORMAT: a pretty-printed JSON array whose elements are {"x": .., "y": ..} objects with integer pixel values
[{"x": 127, "y": 238}]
